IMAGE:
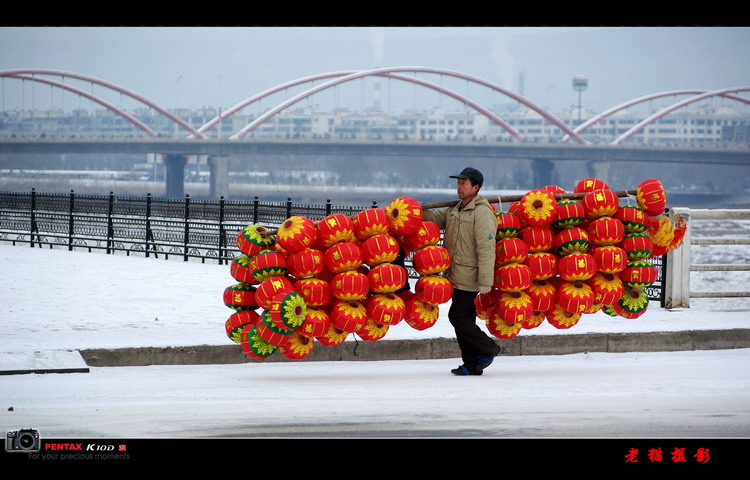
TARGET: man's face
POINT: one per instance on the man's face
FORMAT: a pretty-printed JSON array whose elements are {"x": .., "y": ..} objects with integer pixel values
[{"x": 466, "y": 190}]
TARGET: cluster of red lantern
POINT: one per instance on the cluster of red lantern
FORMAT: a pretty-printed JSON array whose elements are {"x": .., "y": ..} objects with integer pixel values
[
  {"x": 317, "y": 282},
  {"x": 558, "y": 259}
]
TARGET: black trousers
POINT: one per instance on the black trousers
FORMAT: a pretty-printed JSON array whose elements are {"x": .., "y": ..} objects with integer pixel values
[{"x": 472, "y": 340}]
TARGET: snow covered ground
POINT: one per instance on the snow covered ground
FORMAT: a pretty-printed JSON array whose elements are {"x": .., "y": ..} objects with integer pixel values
[{"x": 55, "y": 301}]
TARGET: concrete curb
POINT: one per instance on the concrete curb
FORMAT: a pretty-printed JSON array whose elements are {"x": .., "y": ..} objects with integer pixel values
[{"x": 436, "y": 348}]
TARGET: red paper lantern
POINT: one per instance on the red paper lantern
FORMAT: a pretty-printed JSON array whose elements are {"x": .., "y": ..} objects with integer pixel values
[
  {"x": 639, "y": 274},
  {"x": 513, "y": 277},
  {"x": 610, "y": 259},
  {"x": 501, "y": 329},
  {"x": 373, "y": 221},
  {"x": 570, "y": 213},
  {"x": 296, "y": 233},
  {"x": 510, "y": 250},
  {"x": 572, "y": 240},
  {"x": 553, "y": 189},
  {"x": 538, "y": 208},
  {"x": 348, "y": 315},
  {"x": 237, "y": 321},
  {"x": 239, "y": 269},
  {"x": 575, "y": 297},
  {"x": 515, "y": 209},
  {"x": 405, "y": 214},
  {"x": 508, "y": 224},
  {"x": 386, "y": 308},
  {"x": 254, "y": 238},
  {"x": 266, "y": 264},
  {"x": 486, "y": 304},
  {"x": 386, "y": 277},
  {"x": 315, "y": 291},
  {"x": 562, "y": 319},
  {"x": 288, "y": 310},
  {"x": 335, "y": 228},
  {"x": 372, "y": 331},
  {"x": 433, "y": 289},
  {"x": 539, "y": 239},
  {"x": 269, "y": 288},
  {"x": 534, "y": 321},
  {"x": 651, "y": 197},
  {"x": 316, "y": 322},
  {"x": 307, "y": 263},
  {"x": 431, "y": 260},
  {"x": 600, "y": 203},
  {"x": 350, "y": 285},
  {"x": 333, "y": 336},
  {"x": 632, "y": 304},
  {"x": 543, "y": 295},
  {"x": 421, "y": 315},
  {"x": 634, "y": 219},
  {"x": 543, "y": 265},
  {"x": 298, "y": 347},
  {"x": 577, "y": 266},
  {"x": 379, "y": 248},
  {"x": 427, "y": 235},
  {"x": 343, "y": 256},
  {"x": 605, "y": 231},
  {"x": 240, "y": 296},
  {"x": 515, "y": 307},
  {"x": 637, "y": 246},
  {"x": 272, "y": 333},
  {"x": 607, "y": 287},
  {"x": 590, "y": 185},
  {"x": 253, "y": 345}
]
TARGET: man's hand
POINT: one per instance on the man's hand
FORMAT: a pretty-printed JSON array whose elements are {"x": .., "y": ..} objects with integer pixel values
[{"x": 485, "y": 288}]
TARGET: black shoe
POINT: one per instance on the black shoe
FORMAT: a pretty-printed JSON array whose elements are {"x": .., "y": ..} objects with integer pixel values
[
  {"x": 484, "y": 362},
  {"x": 462, "y": 371}
]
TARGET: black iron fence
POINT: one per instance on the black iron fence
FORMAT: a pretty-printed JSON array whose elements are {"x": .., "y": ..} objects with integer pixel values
[
  {"x": 161, "y": 227},
  {"x": 155, "y": 227}
]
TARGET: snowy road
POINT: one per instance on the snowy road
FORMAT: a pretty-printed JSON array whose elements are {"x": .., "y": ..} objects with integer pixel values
[{"x": 680, "y": 394}]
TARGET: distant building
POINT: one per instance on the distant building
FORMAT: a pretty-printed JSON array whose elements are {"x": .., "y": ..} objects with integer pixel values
[{"x": 714, "y": 126}]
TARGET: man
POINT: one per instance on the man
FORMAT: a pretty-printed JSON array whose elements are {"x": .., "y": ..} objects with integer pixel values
[{"x": 470, "y": 227}]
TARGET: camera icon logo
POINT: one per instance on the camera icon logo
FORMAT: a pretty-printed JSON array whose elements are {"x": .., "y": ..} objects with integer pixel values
[{"x": 24, "y": 440}]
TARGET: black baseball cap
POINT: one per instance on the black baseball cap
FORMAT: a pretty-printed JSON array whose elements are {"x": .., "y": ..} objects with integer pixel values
[{"x": 471, "y": 173}]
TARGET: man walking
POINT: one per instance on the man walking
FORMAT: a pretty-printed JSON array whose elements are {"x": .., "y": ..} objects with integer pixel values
[{"x": 470, "y": 227}]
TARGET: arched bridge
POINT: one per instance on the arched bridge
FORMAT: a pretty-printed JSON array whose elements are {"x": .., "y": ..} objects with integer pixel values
[{"x": 199, "y": 141}]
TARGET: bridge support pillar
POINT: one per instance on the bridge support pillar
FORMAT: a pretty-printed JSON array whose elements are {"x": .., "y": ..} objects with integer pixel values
[
  {"x": 542, "y": 172},
  {"x": 219, "y": 175},
  {"x": 599, "y": 169},
  {"x": 175, "y": 175}
]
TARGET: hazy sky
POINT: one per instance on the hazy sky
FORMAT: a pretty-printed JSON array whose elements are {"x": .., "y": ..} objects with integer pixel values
[{"x": 201, "y": 66}]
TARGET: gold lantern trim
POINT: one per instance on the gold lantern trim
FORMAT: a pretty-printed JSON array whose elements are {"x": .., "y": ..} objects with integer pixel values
[
  {"x": 379, "y": 248},
  {"x": 538, "y": 208},
  {"x": 296, "y": 233},
  {"x": 254, "y": 238},
  {"x": 405, "y": 214},
  {"x": 421, "y": 315},
  {"x": 370, "y": 222},
  {"x": 431, "y": 260},
  {"x": 335, "y": 228}
]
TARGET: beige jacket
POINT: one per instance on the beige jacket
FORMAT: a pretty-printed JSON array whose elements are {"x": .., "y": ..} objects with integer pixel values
[{"x": 470, "y": 238}]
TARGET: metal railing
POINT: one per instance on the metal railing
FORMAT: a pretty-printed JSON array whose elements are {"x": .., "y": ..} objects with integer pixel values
[
  {"x": 154, "y": 227},
  {"x": 678, "y": 290},
  {"x": 163, "y": 228}
]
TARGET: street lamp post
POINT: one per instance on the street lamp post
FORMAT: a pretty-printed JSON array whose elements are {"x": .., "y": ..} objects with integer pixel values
[{"x": 580, "y": 83}]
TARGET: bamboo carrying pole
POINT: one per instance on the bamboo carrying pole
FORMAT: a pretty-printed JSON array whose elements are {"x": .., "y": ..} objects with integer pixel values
[
  {"x": 505, "y": 198},
  {"x": 515, "y": 198}
]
